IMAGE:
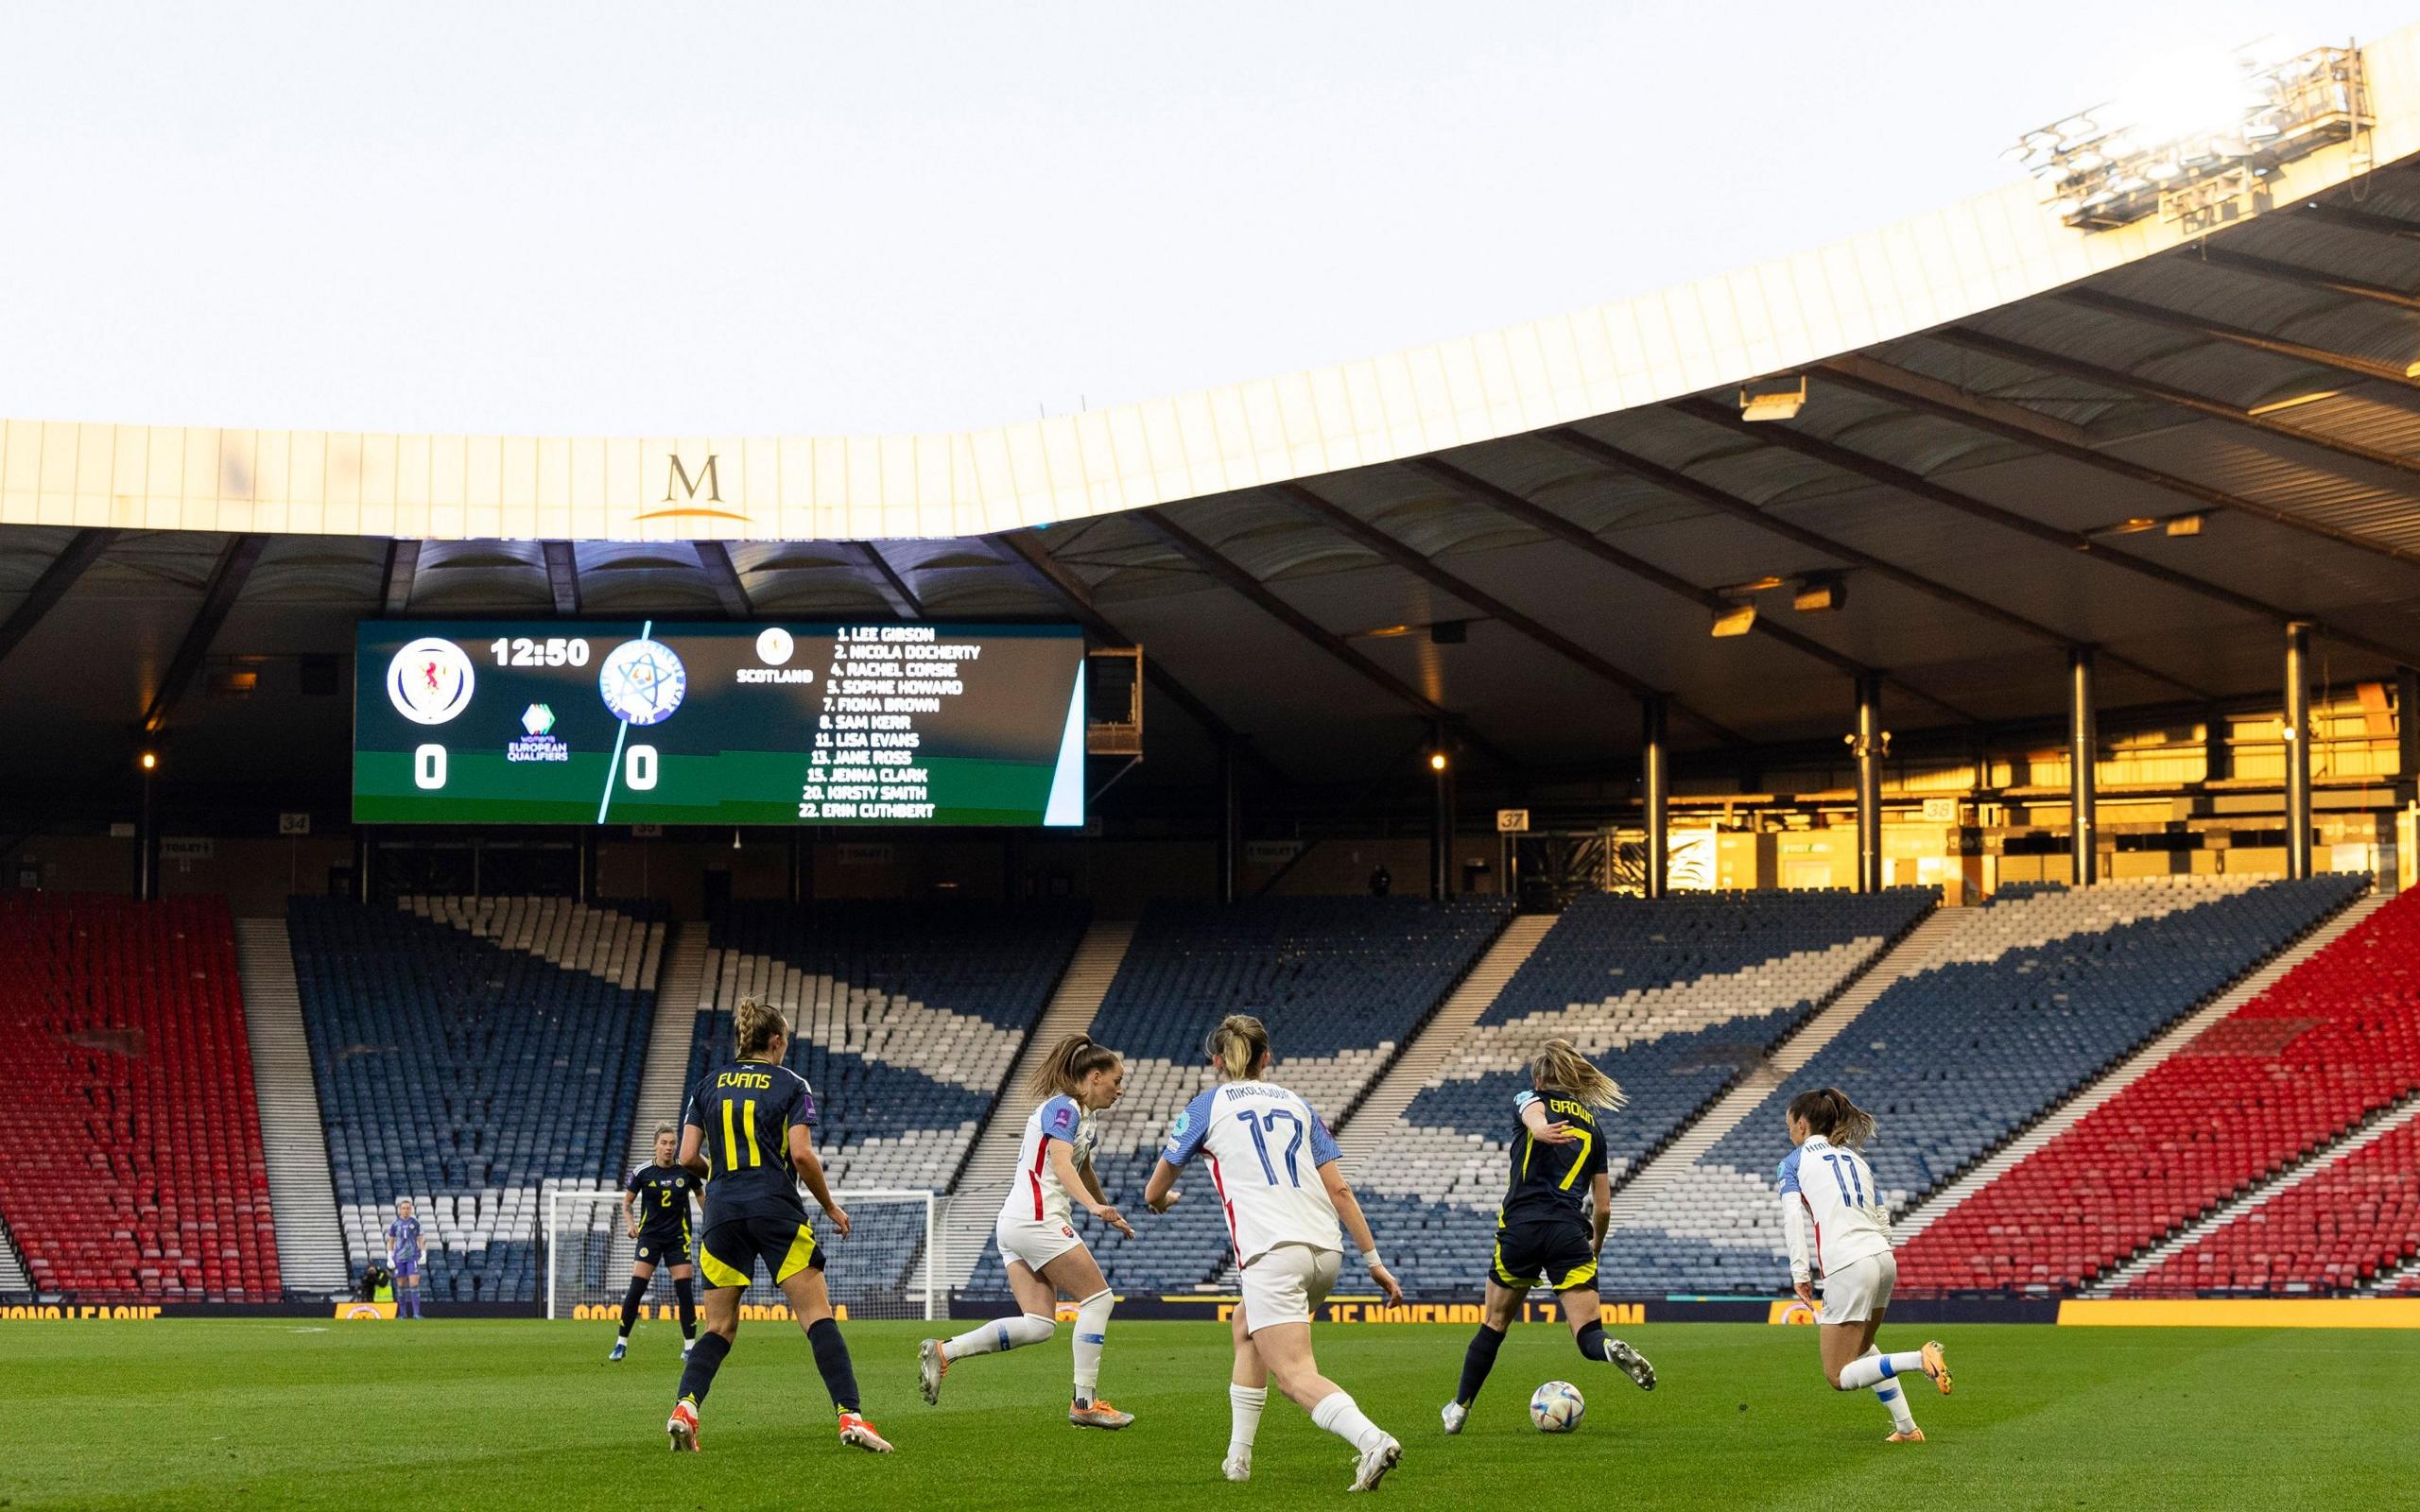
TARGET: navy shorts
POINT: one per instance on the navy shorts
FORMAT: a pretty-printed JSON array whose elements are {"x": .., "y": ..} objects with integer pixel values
[
  {"x": 663, "y": 1250},
  {"x": 729, "y": 1251},
  {"x": 1556, "y": 1253}
]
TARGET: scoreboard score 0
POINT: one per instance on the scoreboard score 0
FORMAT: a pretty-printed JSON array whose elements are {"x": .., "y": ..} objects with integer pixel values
[{"x": 641, "y": 722}]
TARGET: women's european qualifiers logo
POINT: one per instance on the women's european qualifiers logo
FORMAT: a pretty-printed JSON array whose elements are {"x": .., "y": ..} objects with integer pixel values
[
  {"x": 538, "y": 742},
  {"x": 430, "y": 680}
]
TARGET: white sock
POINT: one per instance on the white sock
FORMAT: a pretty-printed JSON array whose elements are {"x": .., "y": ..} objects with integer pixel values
[
  {"x": 1894, "y": 1395},
  {"x": 1873, "y": 1369},
  {"x": 1092, "y": 1332},
  {"x": 1000, "y": 1334},
  {"x": 1339, "y": 1416},
  {"x": 1243, "y": 1417}
]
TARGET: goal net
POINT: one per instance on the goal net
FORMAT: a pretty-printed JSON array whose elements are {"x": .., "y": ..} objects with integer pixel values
[{"x": 888, "y": 1266}]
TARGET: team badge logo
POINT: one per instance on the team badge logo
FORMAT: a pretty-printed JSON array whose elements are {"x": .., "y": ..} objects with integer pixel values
[
  {"x": 643, "y": 682},
  {"x": 775, "y": 645},
  {"x": 430, "y": 681}
]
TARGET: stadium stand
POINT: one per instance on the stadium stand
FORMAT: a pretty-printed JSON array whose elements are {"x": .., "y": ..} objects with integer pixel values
[
  {"x": 134, "y": 1167},
  {"x": 1674, "y": 997},
  {"x": 1342, "y": 983},
  {"x": 904, "y": 1018},
  {"x": 472, "y": 1053},
  {"x": 2041, "y": 992},
  {"x": 2328, "y": 1046},
  {"x": 2336, "y": 1230}
]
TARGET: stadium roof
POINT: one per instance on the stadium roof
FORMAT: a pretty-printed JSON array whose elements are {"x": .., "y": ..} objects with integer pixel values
[{"x": 2017, "y": 438}]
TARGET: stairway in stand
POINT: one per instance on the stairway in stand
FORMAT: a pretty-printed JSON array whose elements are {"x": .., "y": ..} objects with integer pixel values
[
  {"x": 1635, "y": 1199},
  {"x": 1916, "y": 1220},
  {"x": 974, "y": 1202},
  {"x": 13, "y": 1280},
  {"x": 679, "y": 996},
  {"x": 1444, "y": 1034},
  {"x": 294, "y": 1139}
]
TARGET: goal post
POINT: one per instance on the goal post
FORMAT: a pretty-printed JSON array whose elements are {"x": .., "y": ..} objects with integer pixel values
[{"x": 891, "y": 1266}]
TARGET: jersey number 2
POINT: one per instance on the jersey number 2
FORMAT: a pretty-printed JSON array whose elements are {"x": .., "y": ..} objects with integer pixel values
[{"x": 1260, "y": 1143}]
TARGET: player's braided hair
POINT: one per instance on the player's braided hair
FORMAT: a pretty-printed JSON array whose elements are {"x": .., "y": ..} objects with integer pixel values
[
  {"x": 753, "y": 1026},
  {"x": 1239, "y": 1044},
  {"x": 1828, "y": 1111},
  {"x": 1069, "y": 1062},
  {"x": 1561, "y": 1068}
]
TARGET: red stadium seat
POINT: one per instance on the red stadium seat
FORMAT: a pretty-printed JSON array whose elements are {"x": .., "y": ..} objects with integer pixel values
[
  {"x": 2330, "y": 1046},
  {"x": 132, "y": 1125}
]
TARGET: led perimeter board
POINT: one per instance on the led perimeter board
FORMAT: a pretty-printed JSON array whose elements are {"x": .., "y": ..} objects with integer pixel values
[{"x": 643, "y": 722}]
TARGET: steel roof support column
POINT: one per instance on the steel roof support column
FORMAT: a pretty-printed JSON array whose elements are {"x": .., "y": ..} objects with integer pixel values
[
  {"x": 2407, "y": 727},
  {"x": 1229, "y": 820},
  {"x": 1655, "y": 782},
  {"x": 1868, "y": 747},
  {"x": 2083, "y": 750},
  {"x": 2297, "y": 733}
]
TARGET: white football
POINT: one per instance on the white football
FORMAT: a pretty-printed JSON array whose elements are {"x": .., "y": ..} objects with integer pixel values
[{"x": 1556, "y": 1407}]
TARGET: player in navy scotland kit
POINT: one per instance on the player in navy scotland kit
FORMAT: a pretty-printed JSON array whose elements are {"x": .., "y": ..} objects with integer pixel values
[
  {"x": 655, "y": 1209},
  {"x": 406, "y": 1255},
  {"x": 746, "y": 1133},
  {"x": 1543, "y": 1233}
]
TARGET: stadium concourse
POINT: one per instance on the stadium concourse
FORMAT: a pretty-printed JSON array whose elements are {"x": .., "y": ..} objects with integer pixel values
[{"x": 1971, "y": 665}]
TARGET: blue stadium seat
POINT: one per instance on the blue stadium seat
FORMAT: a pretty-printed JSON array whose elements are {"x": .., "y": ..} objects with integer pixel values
[
  {"x": 2042, "y": 992},
  {"x": 1675, "y": 997},
  {"x": 470, "y": 1053},
  {"x": 1342, "y": 982}
]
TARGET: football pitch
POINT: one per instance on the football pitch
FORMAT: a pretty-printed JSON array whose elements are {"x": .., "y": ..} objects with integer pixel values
[{"x": 285, "y": 1412}]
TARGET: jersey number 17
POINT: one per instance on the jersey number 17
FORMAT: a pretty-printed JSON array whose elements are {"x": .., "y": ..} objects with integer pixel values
[{"x": 1262, "y": 1125}]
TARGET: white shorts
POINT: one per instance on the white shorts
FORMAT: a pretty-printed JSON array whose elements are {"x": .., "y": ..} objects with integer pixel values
[
  {"x": 1859, "y": 1289},
  {"x": 1036, "y": 1244},
  {"x": 1283, "y": 1286}
]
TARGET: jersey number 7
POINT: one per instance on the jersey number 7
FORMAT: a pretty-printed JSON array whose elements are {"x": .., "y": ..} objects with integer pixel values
[{"x": 1260, "y": 1143}]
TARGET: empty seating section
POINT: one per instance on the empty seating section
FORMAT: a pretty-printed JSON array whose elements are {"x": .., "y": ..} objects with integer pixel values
[
  {"x": 1674, "y": 997},
  {"x": 2327, "y": 1046},
  {"x": 904, "y": 1017},
  {"x": 1342, "y": 982},
  {"x": 133, "y": 1167},
  {"x": 472, "y": 1053},
  {"x": 2039, "y": 994},
  {"x": 2336, "y": 1230}
]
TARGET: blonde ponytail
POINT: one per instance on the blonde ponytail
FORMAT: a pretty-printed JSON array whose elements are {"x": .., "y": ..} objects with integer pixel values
[
  {"x": 1239, "y": 1046},
  {"x": 1561, "y": 1068},
  {"x": 754, "y": 1026}
]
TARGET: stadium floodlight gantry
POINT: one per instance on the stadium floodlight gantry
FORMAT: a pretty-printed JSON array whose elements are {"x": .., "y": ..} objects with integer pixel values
[{"x": 1978, "y": 471}]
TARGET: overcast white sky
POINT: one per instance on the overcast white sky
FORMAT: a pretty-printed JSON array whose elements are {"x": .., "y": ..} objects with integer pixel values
[{"x": 610, "y": 218}]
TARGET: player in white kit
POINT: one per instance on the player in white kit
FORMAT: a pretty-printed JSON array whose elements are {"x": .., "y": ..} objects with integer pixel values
[
  {"x": 1288, "y": 1209},
  {"x": 1038, "y": 1242},
  {"x": 1827, "y": 1184}
]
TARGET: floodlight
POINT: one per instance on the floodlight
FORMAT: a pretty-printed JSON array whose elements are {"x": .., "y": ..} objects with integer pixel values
[
  {"x": 2193, "y": 134},
  {"x": 1736, "y": 619},
  {"x": 1773, "y": 398},
  {"x": 1436, "y": 761},
  {"x": 1819, "y": 594},
  {"x": 2184, "y": 524}
]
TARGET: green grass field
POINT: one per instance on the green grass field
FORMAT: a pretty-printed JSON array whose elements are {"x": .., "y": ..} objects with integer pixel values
[{"x": 284, "y": 1414}]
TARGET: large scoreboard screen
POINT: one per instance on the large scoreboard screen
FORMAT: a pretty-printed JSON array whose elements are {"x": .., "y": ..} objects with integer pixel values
[{"x": 644, "y": 722}]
